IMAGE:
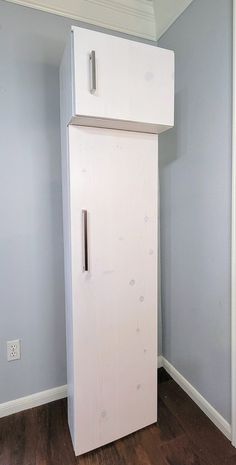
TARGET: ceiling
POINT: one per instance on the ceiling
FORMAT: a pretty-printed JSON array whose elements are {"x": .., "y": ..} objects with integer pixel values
[{"x": 144, "y": 18}]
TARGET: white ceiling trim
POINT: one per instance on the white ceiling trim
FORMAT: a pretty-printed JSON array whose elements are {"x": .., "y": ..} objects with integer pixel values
[
  {"x": 166, "y": 13},
  {"x": 135, "y": 17}
]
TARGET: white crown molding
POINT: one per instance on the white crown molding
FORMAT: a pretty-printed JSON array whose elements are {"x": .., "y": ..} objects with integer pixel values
[
  {"x": 33, "y": 400},
  {"x": 167, "y": 12},
  {"x": 135, "y": 17}
]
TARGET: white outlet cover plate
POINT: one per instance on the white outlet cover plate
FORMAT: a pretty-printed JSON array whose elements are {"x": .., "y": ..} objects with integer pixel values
[{"x": 13, "y": 350}]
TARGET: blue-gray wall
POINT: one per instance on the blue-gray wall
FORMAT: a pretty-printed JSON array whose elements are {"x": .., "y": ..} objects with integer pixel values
[
  {"x": 31, "y": 240},
  {"x": 195, "y": 182}
]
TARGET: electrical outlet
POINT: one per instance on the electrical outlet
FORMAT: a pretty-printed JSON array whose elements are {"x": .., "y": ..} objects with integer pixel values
[{"x": 13, "y": 350}]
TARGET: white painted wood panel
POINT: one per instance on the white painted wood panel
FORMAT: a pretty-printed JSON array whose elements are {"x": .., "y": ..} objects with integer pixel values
[
  {"x": 135, "y": 81},
  {"x": 113, "y": 175},
  {"x": 65, "y": 111}
]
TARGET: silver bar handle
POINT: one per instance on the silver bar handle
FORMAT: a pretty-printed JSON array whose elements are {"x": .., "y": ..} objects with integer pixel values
[
  {"x": 85, "y": 239},
  {"x": 93, "y": 79}
]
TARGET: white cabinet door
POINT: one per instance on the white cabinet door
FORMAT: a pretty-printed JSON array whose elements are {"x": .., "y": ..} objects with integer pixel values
[
  {"x": 113, "y": 176},
  {"x": 134, "y": 81}
]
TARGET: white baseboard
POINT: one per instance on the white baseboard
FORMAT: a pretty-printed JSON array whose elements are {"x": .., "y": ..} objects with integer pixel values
[
  {"x": 33, "y": 400},
  {"x": 159, "y": 361},
  {"x": 204, "y": 405}
]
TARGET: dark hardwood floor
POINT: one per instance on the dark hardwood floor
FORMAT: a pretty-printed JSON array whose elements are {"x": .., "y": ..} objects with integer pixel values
[{"x": 183, "y": 436}]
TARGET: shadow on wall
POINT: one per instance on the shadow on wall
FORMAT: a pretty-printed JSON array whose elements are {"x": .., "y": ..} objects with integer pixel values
[{"x": 172, "y": 143}]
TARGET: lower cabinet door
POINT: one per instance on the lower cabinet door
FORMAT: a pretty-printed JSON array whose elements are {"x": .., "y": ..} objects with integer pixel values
[{"x": 113, "y": 196}]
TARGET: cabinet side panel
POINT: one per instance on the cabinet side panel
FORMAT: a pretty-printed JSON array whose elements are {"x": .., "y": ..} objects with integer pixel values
[
  {"x": 65, "y": 108},
  {"x": 67, "y": 82}
]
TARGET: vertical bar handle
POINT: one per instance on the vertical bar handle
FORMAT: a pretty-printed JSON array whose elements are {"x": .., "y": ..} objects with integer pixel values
[
  {"x": 85, "y": 239},
  {"x": 93, "y": 79}
]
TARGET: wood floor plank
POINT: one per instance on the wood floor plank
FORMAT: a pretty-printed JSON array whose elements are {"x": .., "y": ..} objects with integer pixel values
[
  {"x": 231, "y": 460},
  {"x": 41, "y": 432},
  {"x": 60, "y": 448},
  {"x": 150, "y": 440},
  {"x": 180, "y": 452},
  {"x": 169, "y": 426},
  {"x": 204, "y": 435},
  {"x": 13, "y": 438},
  {"x": 102, "y": 456},
  {"x": 31, "y": 440},
  {"x": 5, "y": 445},
  {"x": 130, "y": 450}
]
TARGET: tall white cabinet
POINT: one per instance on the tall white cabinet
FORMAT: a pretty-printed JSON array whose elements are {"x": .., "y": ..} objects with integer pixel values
[{"x": 116, "y": 96}]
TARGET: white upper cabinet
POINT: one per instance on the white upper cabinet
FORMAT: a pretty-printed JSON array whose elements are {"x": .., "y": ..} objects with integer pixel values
[{"x": 119, "y": 83}]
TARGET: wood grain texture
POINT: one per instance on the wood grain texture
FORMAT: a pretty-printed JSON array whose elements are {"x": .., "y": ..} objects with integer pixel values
[
  {"x": 113, "y": 176},
  {"x": 183, "y": 436},
  {"x": 139, "y": 74}
]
